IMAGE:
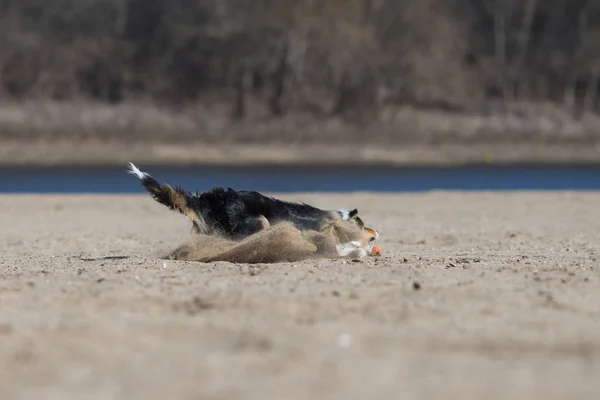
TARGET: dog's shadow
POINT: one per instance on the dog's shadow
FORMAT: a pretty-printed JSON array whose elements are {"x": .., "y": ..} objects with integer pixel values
[{"x": 278, "y": 243}]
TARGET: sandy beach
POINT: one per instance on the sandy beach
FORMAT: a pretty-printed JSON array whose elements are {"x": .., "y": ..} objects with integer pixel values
[{"x": 481, "y": 295}]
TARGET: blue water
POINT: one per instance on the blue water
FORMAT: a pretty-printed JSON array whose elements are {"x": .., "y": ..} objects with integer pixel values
[{"x": 279, "y": 179}]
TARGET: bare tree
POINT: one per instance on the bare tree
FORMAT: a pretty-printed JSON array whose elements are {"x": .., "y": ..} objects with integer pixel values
[
  {"x": 569, "y": 99},
  {"x": 591, "y": 92},
  {"x": 500, "y": 44},
  {"x": 529, "y": 10}
]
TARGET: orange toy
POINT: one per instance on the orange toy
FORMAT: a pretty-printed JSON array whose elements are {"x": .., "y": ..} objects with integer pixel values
[{"x": 376, "y": 251}]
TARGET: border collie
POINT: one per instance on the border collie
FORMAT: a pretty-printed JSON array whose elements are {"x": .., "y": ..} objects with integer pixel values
[{"x": 235, "y": 214}]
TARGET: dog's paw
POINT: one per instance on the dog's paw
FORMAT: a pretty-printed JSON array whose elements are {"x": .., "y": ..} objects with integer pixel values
[{"x": 351, "y": 249}]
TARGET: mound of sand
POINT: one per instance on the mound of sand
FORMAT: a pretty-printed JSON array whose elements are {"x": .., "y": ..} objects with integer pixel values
[{"x": 278, "y": 243}]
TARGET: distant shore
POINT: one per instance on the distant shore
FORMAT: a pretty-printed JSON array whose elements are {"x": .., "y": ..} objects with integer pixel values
[
  {"x": 72, "y": 153},
  {"x": 73, "y": 134}
]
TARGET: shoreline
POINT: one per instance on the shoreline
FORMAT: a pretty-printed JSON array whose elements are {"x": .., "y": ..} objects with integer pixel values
[
  {"x": 46, "y": 133},
  {"x": 72, "y": 153}
]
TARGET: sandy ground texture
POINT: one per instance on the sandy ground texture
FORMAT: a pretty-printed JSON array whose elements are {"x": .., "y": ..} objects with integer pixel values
[{"x": 477, "y": 296}]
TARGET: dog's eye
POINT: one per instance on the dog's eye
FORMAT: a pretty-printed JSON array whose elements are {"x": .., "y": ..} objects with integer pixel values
[{"x": 371, "y": 239}]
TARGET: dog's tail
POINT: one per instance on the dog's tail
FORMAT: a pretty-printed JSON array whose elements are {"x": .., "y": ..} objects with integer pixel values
[{"x": 176, "y": 199}]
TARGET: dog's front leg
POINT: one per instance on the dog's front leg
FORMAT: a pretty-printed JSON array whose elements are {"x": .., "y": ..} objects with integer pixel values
[{"x": 263, "y": 222}]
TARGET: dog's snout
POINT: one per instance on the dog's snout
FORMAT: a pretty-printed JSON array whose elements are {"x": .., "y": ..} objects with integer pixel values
[{"x": 373, "y": 234}]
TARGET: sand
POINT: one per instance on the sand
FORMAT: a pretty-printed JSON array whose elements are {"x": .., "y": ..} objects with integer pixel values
[{"x": 477, "y": 296}]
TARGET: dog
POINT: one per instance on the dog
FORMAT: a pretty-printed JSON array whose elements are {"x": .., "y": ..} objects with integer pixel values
[
  {"x": 237, "y": 214},
  {"x": 276, "y": 244}
]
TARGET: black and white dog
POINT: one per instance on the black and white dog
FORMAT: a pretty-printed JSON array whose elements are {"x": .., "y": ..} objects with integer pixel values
[{"x": 235, "y": 215}]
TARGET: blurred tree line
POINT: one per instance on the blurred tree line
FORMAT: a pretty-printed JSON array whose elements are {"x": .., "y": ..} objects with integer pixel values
[{"x": 330, "y": 57}]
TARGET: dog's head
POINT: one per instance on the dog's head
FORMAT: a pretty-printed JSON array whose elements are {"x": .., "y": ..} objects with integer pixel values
[{"x": 351, "y": 217}]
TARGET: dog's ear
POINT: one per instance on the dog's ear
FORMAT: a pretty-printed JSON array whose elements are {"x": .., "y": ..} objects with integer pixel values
[
  {"x": 353, "y": 213},
  {"x": 359, "y": 222}
]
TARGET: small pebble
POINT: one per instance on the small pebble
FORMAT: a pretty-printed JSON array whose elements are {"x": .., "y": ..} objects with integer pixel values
[{"x": 344, "y": 340}]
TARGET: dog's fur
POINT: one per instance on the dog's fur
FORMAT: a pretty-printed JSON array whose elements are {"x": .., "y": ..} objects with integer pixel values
[{"x": 236, "y": 215}]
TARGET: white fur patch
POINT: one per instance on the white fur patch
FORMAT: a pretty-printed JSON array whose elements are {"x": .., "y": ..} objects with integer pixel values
[
  {"x": 133, "y": 170},
  {"x": 345, "y": 214},
  {"x": 351, "y": 249}
]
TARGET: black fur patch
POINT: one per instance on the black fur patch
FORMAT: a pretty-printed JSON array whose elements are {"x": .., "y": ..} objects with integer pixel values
[{"x": 236, "y": 214}]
